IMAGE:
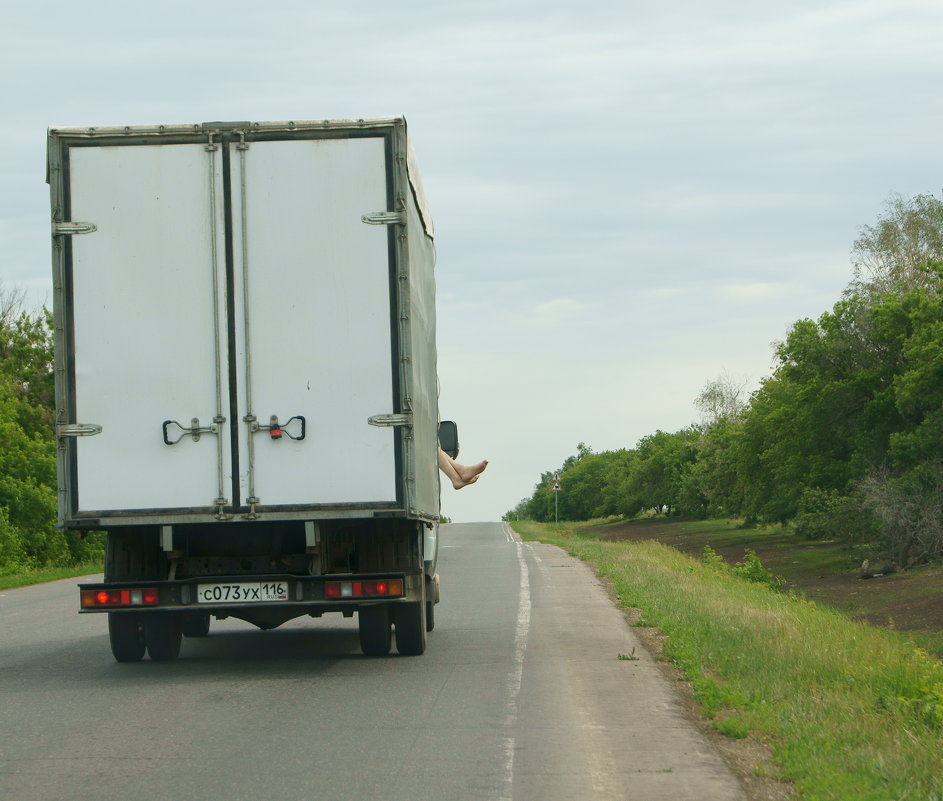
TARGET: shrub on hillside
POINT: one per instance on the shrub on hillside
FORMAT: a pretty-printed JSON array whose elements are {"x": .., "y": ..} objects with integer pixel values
[
  {"x": 828, "y": 514},
  {"x": 750, "y": 568},
  {"x": 12, "y": 555},
  {"x": 910, "y": 508}
]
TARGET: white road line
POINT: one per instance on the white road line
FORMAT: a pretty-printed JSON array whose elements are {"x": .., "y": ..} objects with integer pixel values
[{"x": 517, "y": 669}]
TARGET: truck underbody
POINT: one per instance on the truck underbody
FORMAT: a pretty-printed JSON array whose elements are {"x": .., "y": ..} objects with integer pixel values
[{"x": 264, "y": 574}]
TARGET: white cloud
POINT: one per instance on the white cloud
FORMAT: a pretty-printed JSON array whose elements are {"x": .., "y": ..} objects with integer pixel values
[
  {"x": 559, "y": 310},
  {"x": 667, "y": 291},
  {"x": 754, "y": 293}
]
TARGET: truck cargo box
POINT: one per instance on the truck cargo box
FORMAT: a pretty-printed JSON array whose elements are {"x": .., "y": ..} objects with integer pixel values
[{"x": 245, "y": 323}]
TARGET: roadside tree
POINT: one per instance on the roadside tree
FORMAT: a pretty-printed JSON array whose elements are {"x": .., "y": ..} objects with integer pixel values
[{"x": 892, "y": 254}]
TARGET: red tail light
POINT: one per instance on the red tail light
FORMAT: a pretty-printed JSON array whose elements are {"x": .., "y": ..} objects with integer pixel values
[
  {"x": 99, "y": 599},
  {"x": 379, "y": 588}
]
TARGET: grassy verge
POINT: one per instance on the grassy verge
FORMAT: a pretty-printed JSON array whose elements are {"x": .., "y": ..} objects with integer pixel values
[
  {"x": 788, "y": 555},
  {"x": 852, "y": 711},
  {"x": 11, "y": 580},
  {"x": 825, "y": 572}
]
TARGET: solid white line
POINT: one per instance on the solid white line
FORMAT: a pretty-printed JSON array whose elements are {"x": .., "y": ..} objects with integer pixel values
[{"x": 517, "y": 668}]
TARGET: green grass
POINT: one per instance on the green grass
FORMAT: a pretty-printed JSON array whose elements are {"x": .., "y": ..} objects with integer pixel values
[
  {"x": 790, "y": 555},
  {"x": 852, "y": 712},
  {"x": 930, "y": 641},
  {"x": 803, "y": 564},
  {"x": 11, "y": 580}
]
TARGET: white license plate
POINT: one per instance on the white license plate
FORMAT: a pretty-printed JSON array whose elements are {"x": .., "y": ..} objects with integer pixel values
[{"x": 242, "y": 592}]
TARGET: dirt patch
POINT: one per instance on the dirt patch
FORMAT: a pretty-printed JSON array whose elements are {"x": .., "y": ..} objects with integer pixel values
[{"x": 905, "y": 601}]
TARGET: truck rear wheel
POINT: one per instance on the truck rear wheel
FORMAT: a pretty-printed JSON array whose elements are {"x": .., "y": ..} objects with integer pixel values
[
  {"x": 374, "y": 622},
  {"x": 127, "y": 636},
  {"x": 411, "y": 628},
  {"x": 162, "y": 632}
]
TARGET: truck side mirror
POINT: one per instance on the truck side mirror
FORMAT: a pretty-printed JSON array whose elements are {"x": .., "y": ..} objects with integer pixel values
[{"x": 448, "y": 437}]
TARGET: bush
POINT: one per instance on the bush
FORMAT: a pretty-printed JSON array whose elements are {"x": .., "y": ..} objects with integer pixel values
[
  {"x": 12, "y": 556},
  {"x": 28, "y": 536},
  {"x": 749, "y": 568},
  {"x": 910, "y": 510},
  {"x": 827, "y": 514},
  {"x": 712, "y": 559},
  {"x": 752, "y": 569}
]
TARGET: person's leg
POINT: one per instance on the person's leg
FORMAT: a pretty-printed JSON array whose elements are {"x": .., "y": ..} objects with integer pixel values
[{"x": 460, "y": 475}]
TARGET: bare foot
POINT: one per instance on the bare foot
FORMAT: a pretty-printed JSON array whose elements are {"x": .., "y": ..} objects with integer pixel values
[
  {"x": 470, "y": 474},
  {"x": 458, "y": 483}
]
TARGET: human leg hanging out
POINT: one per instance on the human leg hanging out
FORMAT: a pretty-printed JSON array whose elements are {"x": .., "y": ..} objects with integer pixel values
[{"x": 460, "y": 475}]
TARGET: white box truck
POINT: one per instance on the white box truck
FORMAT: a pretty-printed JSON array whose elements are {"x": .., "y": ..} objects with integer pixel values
[{"x": 246, "y": 376}]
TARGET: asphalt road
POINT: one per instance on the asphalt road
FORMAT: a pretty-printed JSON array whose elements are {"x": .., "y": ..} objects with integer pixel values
[{"x": 520, "y": 695}]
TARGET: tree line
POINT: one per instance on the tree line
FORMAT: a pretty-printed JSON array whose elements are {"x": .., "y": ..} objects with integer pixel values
[
  {"x": 844, "y": 439},
  {"x": 29, "y": 538}
]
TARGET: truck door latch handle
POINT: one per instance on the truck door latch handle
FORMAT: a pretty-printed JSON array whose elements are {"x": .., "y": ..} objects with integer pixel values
[
  {"x": 194, "y": 431},
  {"x": 276, "y": 429}
]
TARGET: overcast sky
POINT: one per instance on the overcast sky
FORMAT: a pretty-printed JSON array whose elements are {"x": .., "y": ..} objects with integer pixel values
[{"x": 629, "y": 198}]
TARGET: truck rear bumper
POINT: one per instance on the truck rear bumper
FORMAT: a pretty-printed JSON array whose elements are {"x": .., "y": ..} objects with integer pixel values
[{"x": 226, "y": 595}]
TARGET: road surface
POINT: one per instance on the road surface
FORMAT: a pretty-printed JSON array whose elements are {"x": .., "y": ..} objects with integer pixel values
[{"x": 520, "y": 695}]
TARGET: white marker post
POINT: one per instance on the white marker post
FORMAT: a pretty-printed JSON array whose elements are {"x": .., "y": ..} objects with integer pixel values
[{"x": 556, "y": 489}]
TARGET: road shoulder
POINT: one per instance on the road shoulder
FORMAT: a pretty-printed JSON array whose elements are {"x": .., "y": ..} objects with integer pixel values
[{"x": 634, "y": 726}]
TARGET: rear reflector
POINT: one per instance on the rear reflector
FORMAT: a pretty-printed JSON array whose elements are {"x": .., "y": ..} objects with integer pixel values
[
  {"x": 99, "y": 599},
  {"x": 377, "y": 588}
]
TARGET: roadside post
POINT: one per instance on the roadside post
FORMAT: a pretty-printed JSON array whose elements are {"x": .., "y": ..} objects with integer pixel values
[{"x": 556, "y": 505}]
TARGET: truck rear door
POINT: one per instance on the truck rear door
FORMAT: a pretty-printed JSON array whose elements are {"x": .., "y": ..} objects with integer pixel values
[
  {"x": 232, "y": 324},
  {"x": 147, "y": 342},
  {"x": 316, "y": 321}
]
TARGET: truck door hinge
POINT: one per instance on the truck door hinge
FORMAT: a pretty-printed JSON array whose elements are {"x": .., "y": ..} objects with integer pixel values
[
  {"x": 77, "y": 430},
  {"x": 390, "y": 420},
  {"x": 69, "y": 228},
  {"x": 385, "y": 218}
]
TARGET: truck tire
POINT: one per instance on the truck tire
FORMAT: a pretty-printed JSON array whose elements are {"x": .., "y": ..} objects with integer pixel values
[
  {"x": 411, "y": 628},
  {"x": 127, "y": 637},
  {"x": 374, "y": 622},
  {"x": 195, "y": 624},
  {"x": 162, "y": 633}
]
